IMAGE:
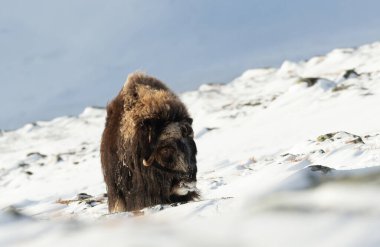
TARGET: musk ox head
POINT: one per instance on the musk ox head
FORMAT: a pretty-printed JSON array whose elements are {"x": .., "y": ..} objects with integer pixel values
[
  {"x": 148, "y": 152},
  {"x": 174, "y": 152}
]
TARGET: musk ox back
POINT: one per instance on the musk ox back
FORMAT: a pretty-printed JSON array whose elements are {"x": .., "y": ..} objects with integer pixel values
[{"x": 148, "y": 154}]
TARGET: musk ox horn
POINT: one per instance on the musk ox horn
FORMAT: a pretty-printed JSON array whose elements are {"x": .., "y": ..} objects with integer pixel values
[{"x": 145, "y": 163}]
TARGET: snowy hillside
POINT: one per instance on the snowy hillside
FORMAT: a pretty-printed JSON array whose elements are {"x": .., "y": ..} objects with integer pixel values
[{"x": 287, "y": 156}]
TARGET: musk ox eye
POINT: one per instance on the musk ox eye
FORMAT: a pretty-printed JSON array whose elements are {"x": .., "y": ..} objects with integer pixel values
[
  {"x": 166, "y": 155},
  {"x": 187, "y": 131}
]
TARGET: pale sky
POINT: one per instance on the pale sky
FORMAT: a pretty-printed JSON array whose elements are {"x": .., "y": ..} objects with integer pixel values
[{"x": 57, "y": 57}]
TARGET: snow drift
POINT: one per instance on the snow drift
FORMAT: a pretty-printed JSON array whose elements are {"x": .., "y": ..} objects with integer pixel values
[{"x": 286, "y": 156}]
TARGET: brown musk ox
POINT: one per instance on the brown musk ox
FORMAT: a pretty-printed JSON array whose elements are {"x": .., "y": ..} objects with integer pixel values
[{"x": 148, "y": 153}]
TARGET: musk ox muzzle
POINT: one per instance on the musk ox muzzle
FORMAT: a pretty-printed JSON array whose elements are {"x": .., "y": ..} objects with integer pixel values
[{"x": 148, "y": 152}]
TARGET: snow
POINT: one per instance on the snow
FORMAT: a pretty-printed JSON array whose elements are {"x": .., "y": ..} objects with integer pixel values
[{"x": 280, "y": 161}]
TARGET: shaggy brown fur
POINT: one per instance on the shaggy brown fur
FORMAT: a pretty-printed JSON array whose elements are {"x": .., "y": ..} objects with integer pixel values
[{"x": 147, "y": 149}]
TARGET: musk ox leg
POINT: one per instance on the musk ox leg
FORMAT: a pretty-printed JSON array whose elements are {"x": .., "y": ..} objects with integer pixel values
[
  {"x": 116, "y": 202},
  {"x": 119, "y": 206}
]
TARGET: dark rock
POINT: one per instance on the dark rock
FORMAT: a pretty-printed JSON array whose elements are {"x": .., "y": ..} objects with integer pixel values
[
  {"x": 351, "y": 73},
  {"x": 323, "y": 169},
  {"x": 341, "y": 88},
  {"x": 310, "y": 81},
  {"x": 23, "y": 164},
  {"x": 37, "y": 153},
  {"x": 321, "y": 151},
  {"x": 323, "y": 138},
  {"x": 91, "y": 203},
  {"x": 59, "y": 158},
  {"x": 357, "y": 140},
  {"x": 252, "y": 104},
  {"x": 83, "y": 196},
  {"x": 284, "y": 155}
]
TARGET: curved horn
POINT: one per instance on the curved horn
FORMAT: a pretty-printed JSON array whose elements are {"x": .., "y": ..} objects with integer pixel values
[{"x": 145, "y": 163}]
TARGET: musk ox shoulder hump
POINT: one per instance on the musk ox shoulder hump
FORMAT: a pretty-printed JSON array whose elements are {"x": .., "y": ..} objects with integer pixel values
[{"x": 147, "y": 98}]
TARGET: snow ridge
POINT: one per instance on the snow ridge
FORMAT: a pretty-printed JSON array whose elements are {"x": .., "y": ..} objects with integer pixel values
[{"x": 289, "y": 154}]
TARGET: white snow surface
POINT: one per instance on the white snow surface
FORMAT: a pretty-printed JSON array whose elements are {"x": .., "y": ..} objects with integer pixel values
[{"x": 280, "y": 162}]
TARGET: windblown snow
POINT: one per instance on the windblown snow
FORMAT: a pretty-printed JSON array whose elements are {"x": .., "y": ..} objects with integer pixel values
[{"x": 287, "y": 156}]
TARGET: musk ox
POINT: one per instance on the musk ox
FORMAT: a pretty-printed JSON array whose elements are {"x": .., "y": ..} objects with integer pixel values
[{"x": 148, "y": 153}]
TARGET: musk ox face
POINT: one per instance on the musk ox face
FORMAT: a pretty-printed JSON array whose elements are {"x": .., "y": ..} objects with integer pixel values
[{"x": 175, "y": 153}]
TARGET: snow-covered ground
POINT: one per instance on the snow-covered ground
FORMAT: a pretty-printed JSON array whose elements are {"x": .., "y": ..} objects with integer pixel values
[{"x": 287, "y": 156}]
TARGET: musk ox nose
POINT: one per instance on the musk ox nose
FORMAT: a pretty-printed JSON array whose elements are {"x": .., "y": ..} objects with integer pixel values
[{"x": 183, "y": 188}]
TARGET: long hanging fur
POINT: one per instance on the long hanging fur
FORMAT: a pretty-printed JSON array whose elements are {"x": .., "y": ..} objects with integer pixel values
[{"x": 144, "y": 114}]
